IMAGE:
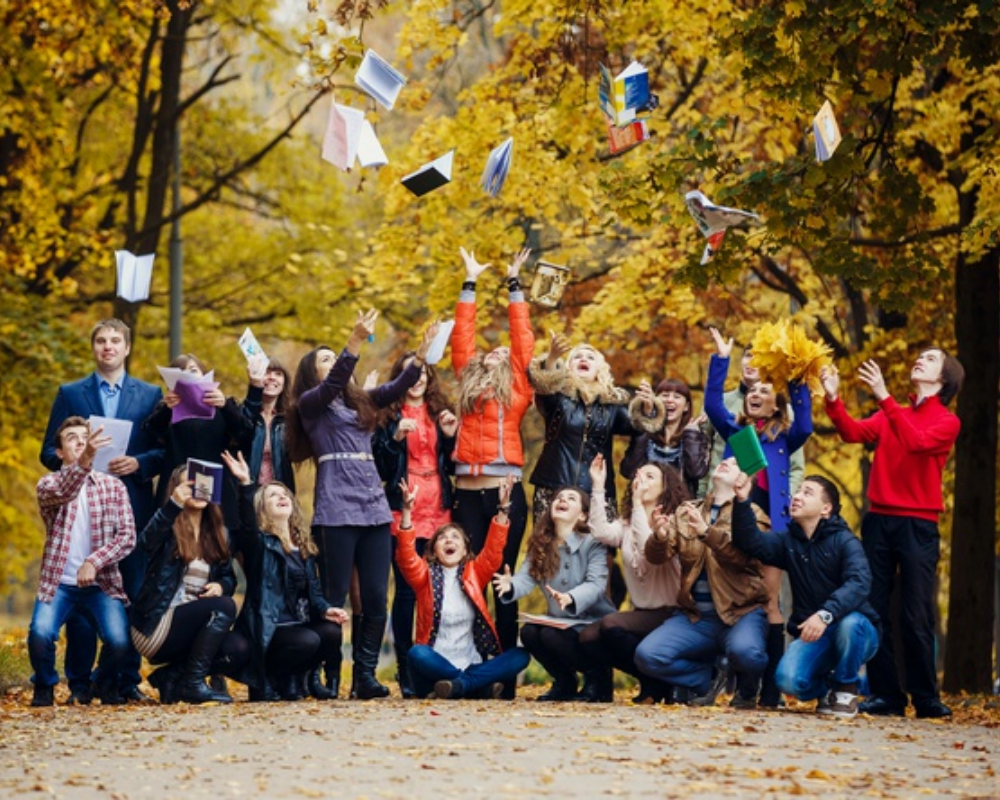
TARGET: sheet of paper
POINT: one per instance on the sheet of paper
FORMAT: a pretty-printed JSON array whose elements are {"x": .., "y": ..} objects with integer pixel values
[
  {"x": 171, "y": 375},
  {"x": 120, "y": 430},
  {"x": 343, "y": 131},
  {"x": 370, "y": 152},
  {"x": 249, "y": 345}
]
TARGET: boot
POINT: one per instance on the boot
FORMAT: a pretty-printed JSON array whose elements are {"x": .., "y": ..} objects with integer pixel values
[
  {"x": 357, "y": 620},
  {"x": 598, "y": 686},
  {"x": 191, "y": 686},
  {"x": 331, "y": 669},
  {"x": 563, "y": 689},
  {"x": 164, "y": 680},
  {"x": 403, "y": 677},
  {"x": 264, "y": 693},
  {"x": 289, "y": 686},
  {"x": 315, "y": 686},
  {"x": 769, "y": 694},
  {"x": 366, "y": 685}
]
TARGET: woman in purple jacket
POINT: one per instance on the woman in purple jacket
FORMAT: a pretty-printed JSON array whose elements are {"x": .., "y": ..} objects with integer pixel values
[{"x": 331, "y": 420}]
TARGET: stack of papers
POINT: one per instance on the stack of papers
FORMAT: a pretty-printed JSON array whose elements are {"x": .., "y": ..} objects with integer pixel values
[
  {"x": 430, "y": 176},
  {"x": 349, "y": 138},
  {"x": 826, "y": 132},
  {"x": 134, "y": 275},
  {"x": 713, "y": 221},
  {"x": 119, "y": 430},
  {"x": 497, "y": 167},
  {"x": 191, "y": 390},
  {"x": 379, "y": 79}
]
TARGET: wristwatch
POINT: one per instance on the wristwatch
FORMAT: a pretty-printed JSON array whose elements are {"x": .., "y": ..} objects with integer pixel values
[{"x": 826, "y": 616}]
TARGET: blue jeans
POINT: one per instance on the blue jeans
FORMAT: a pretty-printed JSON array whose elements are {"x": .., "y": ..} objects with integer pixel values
[
  {"x": 427, "y": 667},
  {"x": 81, "y": 638},
  {"x": 808, "y": 669},
  {"x": 106, "y": 614},
  {"x": 682, "y": 652}
]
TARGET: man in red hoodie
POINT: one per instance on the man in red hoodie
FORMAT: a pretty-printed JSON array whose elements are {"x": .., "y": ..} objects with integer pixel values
[{"x": 900, "y": 530}]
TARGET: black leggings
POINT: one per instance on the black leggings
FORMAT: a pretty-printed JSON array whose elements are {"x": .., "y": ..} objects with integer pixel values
[
  {"x": 342, "y": 548},
  {"x": 559, "y": 651},
  {"x": 473, "y": 511},
  {"x": 187, "y": 623},
  {"x": 296, "y": 648}
]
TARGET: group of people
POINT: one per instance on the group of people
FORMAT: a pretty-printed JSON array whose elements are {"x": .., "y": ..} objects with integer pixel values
[{"x": 412, "y": 481}]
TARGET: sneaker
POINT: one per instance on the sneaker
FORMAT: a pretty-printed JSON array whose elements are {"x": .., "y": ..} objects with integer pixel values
[
  {"x": 838, "y": 704},
  {"x": 496, "y": 690},
  {"x": 43, "y": 697},
  {"x": 448, "y": 690}
]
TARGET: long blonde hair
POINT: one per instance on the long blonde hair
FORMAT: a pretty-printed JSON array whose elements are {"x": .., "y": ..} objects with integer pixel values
[
  {"x": 480, "y": 383},
  {"x": 297, "y": 528},
  {"x": 602, "y": 387}
]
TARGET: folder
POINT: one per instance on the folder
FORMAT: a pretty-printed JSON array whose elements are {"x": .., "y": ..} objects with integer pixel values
[{"x": 746, "y": 447}]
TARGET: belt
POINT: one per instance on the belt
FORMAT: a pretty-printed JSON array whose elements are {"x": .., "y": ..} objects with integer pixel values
[{"x": 345, "y": 457}]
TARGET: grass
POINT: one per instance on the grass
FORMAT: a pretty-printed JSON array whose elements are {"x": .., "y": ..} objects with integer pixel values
[{"x": 15, "y": 668}]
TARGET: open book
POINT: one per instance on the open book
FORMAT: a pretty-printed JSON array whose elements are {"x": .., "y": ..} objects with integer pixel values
[
  {"x": 713, "y": 221},
  {"x": 349, "y": 138},
  {"x": 207, "y": 477},
  {"x": 826, "y": 132},
  {"x": 497, "y": 167},
  {"x": 626, "y": 94},
  {"x": 379, "y": 79},
  {"x": 430, "y": 176},
  {"x": 134, "y": 274},
  {"x": 562, "y": 623},
  {"x": 626, "y": 137}
]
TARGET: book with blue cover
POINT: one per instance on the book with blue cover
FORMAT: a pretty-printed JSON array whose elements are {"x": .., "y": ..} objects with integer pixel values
[
  {"x": 626, "y": 94},
  {"x": 206, "y": 477}
]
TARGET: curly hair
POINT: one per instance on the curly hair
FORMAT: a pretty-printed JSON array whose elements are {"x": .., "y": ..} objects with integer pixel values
[
  {"x": 211, "y": 543},
  {"x": 307, "y": 377},
  {"x": 480, "y": 382},
  {"x": 674, "y": 491},
  {"x": 434, "y": 395},
  {"x": 432, "y": 542},
  {"x": 543, "y": 546},
  {"x": 602, "y": 385},
  {"x": 297, "y": 527}
]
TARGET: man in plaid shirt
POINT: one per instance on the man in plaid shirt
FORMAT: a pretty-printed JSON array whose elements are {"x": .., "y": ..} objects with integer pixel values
[{"x": 89, "y": 529}]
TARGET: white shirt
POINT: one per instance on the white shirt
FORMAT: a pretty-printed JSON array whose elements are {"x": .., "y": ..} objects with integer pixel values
[
  {"x": 454, "y": 637},
  {"x": 80, "y": 546}
]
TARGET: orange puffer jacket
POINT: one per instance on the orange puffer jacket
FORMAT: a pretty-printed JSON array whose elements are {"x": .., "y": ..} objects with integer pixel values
[
  {"x": 489, "y": 439},
  {"x": 476, "y": 576}
]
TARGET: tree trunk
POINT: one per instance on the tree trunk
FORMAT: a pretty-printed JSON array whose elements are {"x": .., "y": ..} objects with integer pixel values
[{"x": 968, "y": 655}]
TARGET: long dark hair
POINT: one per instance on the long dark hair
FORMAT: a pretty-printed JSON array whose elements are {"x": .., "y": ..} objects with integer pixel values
[
  {"x": 211, "y": 543},
  {"x": 434, "y": 395},
  {"x": 281, "y": 403},
  {"x": 306, "y": 377},
  {"x": 681, "y": 388},
  {"x": 543, "y": 546},
  {"x": 674, "y": 492}
]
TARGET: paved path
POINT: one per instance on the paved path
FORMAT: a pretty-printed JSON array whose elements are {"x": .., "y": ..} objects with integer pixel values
[{"x": 468, "y": 749}]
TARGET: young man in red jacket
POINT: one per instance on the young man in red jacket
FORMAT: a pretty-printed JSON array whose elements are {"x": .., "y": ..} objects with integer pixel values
[{"x": 900, "y": 530}]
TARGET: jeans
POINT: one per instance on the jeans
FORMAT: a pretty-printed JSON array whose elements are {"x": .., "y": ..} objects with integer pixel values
[
  {"x": 81, "y": 638},
  {"x": 682, "y": 652},
  {"x": 427, "y": 667},
  {"x": 105, "y": 614},
  {"x": 808, "y": 669}
]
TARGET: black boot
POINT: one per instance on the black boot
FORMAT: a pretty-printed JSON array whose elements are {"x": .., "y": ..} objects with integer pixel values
[
  {"x": 191, "y": 686},
  {"x": 264, "y": 693},
  {"x": 598, "y": 686},
  {"x": 769, "y": 694},
  {"x": 315, "y": 686},
  {"x": 289, "y": 686},
  {"x": 366, "y": 651},
  {"x": 357, "y": 620},
  {"x": 164, "y": 680},
  {"x": 403, "y": 677},
  {"x": 563, "y": 689}
]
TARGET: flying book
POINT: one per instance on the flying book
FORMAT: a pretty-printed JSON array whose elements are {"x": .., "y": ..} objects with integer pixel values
[
  {"x": 249, "y": 345},
  {"x": 134, "y": 275},
  {"x": 436, "y": 351},
  {"x": 826, "y": 132},
  {"x": 207, "y": 478},
  {"x": 349, "y": 138},
  {"x": 497, "y": 167},
  {"x": 430, "y": 176},
  {"x": 713, "y": 221},
  {"x": 627, "y": 136},
  {"x": 745, "y": 445},
  {"x": 379, "y": 79},
  {"x": 626, "y": 94},
  {"x": 549, "y": 283}
]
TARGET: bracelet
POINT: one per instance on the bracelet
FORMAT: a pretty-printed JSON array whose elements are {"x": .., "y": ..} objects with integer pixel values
[
  {"x": 504, "y": 508},
  {"x": 468, "y": 286},
  {"x": 404, "y": 527},
  {"x": 513, "y": 284}
]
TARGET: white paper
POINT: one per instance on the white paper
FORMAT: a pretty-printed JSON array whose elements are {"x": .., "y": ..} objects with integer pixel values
[
  {"x": 120, "y": 430},
  {"x": 379, "y": 79},
  {"x": 249, "y": 345},
  {"x": 171, "y": 375},
  {"x": 370, "y": 152},
  {"x": 134, "y": 274},
  {"x": 343, "y": 130},
  {"x": 713, "y": 219},
  {"x": 497, "y": 167},
  {"x": 826, "y": 132},
  {"x": 436, "y": 351}
]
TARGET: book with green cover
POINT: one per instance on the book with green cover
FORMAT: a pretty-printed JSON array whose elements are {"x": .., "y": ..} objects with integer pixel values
[{"x": 746, "y": 447}]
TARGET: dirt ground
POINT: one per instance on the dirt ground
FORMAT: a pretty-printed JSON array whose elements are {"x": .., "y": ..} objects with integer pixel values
[{"x": 392, "y": 748}]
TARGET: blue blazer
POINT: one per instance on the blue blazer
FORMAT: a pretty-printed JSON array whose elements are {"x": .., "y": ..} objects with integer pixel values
[{"x": 138, "y": 399}]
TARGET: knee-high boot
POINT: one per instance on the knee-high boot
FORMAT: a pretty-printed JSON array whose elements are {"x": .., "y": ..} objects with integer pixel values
[
  {"x": 191, "y": 687},
  {"x": 366, "y": 651},
  {"x": 769, "y": 694}
]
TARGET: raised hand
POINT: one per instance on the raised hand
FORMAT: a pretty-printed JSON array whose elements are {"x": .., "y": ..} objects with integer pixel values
[
  {"x": 473, "y": 269},
  {"x": 598, "y": 471},
  {"x": 660, "y": 522},
  {"x": 722, "y": 346},
  {"x": 514, "y": 268},
  {"x": 364, "y": 327},
  {"x": 409, "y": 495},
  {"x": 696, "y": 422},
  {"x": 428, "y": 339},
  {"x": 830, "y": 378},
  {"x": 558, "y": 347},
  {"x": 95, "y": 441},
  {"x": 645, "y": 396},
  {"x": 238, "y": 467},
  {"x": 694, "y": 519},
  {"x": 371, "y": 380},
  {"x": 742, "y": 487},
  {"x": 870, "y": 374},
  {"x": 503, "y": 582},
  {"x": 183, "y": 493},
  {"x": 257, "y": 369}
]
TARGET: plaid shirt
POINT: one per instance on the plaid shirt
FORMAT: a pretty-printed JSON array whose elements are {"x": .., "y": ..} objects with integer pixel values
[{"x": 112, "y": 527}]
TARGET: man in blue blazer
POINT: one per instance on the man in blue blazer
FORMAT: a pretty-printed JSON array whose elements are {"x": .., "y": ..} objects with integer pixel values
[{"x": 110, "y": 392}]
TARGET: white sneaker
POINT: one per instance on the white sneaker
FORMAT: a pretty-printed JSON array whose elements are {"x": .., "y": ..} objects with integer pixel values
[{"x": 838, "y": 704}]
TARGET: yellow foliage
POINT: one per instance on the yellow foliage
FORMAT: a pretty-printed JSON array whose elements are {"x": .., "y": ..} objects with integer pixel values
[{"x": 784, "y": 353}]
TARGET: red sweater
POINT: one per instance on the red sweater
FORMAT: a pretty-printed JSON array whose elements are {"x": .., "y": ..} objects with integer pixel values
[{"x": 911, "y": 447}]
